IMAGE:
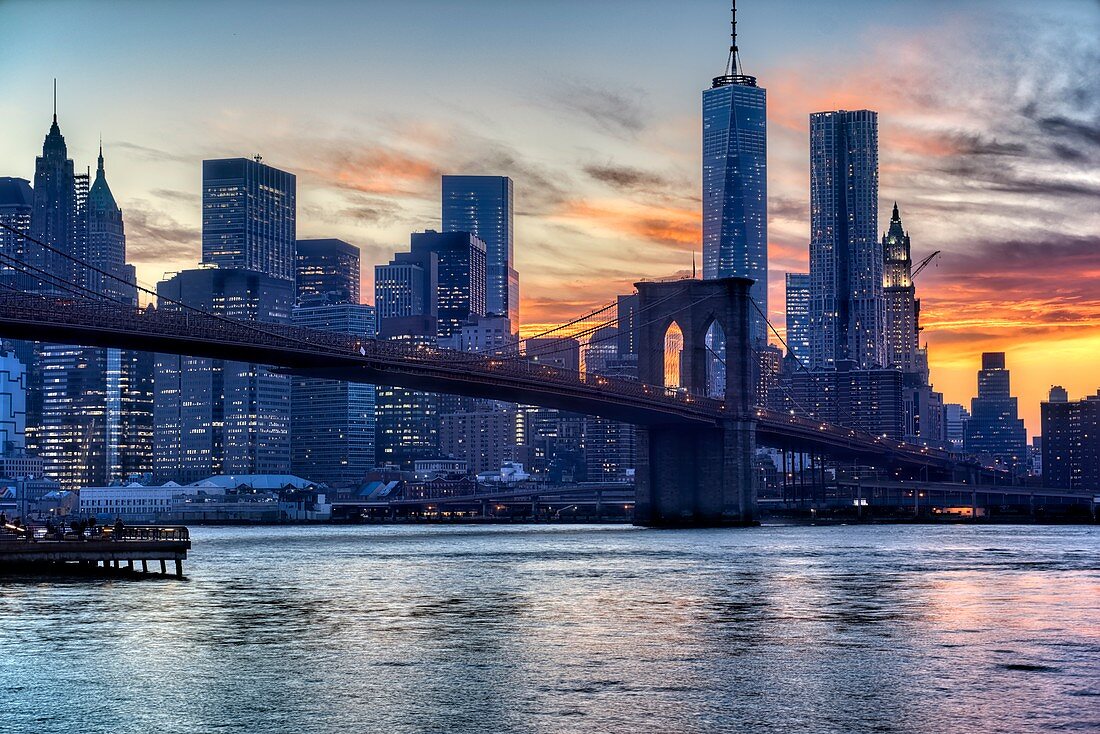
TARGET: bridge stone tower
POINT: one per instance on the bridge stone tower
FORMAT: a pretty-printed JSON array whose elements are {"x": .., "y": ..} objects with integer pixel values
[{"x": 697, "y": 475}]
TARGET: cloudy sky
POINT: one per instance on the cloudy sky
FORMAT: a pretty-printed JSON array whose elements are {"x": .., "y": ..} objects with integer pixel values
[{"x": 989, "y": 133}]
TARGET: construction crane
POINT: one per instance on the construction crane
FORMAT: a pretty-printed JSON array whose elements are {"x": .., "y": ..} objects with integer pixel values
[{"x": 924, "y": 264}]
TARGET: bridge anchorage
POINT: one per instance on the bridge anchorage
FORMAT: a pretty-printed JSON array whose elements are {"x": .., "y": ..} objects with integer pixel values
[{"x": 697, "y": 475}]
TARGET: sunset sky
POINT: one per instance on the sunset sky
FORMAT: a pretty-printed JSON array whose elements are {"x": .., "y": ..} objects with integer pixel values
[{"x": 989, "y": 136}]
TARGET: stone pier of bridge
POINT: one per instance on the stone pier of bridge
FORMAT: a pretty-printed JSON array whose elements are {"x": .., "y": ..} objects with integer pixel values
[{"x": 697, "y": 475}]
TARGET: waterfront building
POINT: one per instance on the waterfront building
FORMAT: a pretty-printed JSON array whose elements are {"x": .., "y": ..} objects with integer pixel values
[
  {"x": 610, "y": 447},
  {"x": 249, "y": 216},
  {"x": 995, "y": 429},
  {"x": 735, "y": 182},
  {"x": 847, "y": 308},
  {"x": 221, "y": 416},
  {"x": 484, "y": 207},
  {"x": 798, "y": 316},
  {"x": 460, "y": 280},
  {"x": 327, "y": 271},
  {"x": 484, "y": 439},
  {"x": 955, "y": 419},
  {"x": 407, "y": 286},
  {"x": 407, "y": 421},
  {"x": 89, "y": 409},
  {"x": 1071, "y": 441},
  {"x": 332, "y": 421}
]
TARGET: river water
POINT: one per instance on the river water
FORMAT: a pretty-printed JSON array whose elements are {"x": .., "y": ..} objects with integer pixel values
[{"x": 571, "y": 629}]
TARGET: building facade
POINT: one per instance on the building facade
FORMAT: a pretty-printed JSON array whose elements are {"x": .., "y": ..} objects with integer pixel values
[
  {"x": 249, "y": 215},
  {"x": 798, "y": 316},
  {"x": 484, "y": 207},
  {"x": 1071, "y": 441},
  {"x": 327, "y": 271},
  {"x": 995, "y": 429},
  {"x": 848, "y": 311},
  {"x": 902, "y": 326},
  {"x": 460, "y": 275},
  {"x": 333, "y": 422},
  {"x": 221, "y": 416},
  {"x": 735, "y": 184},
  {"x": 484, "y": 439}
]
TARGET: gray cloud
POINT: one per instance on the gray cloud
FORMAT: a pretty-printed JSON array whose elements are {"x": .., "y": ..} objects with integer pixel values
[
  {"x": 625, "y": 177},
  {"x": 611, "y": 110},
  {"x": 154, "y": 236}
]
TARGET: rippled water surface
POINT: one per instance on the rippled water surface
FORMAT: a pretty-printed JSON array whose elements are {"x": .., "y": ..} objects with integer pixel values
[{"x": 571, "y": 629}]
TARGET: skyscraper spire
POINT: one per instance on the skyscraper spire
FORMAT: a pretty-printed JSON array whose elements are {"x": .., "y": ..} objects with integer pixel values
[
  {"x": 100, "y": 168},
  {"x": 733, "y": 64},
  {"x": 55, "y": 100},
  {"x": 734, "y": 72}
]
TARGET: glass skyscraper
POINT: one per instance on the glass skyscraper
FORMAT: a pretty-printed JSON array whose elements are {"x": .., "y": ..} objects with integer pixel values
[
  {"x": 798, "y": 315},
  {"x": 332, "y": 423},
  {"x": 460, "y": 286},
  {"x": 327, "y": 271},
  {"x": 483, "y": 206},
  {"x": 735, "y": 183},
  {"x": 846, "y": 260},
  {"x": 248, "y": 216},
  {"x": 219, "y": 416}
]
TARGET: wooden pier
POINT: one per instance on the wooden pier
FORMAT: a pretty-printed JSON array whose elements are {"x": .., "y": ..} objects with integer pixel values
[{"x": 103, "y": 553}]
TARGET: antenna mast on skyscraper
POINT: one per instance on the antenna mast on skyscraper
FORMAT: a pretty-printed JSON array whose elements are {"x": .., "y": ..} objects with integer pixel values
[
  {"x": 734, "y": 63},
  {"x": 734, "y": 74},
  {"x": 55, "y": 99}
]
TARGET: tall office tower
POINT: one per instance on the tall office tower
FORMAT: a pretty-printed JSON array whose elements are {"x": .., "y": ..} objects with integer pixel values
[
  {"x": 483, "y": 206},
  {"x": 955, "y": 420},
  {"x": 902, "y": 306},
  {"x": 609, "y": 446},
  {"x": 484, "y": 335},
  {"x": 16, "y": 203},
  {"x": 106, "y": 242},
  {"x": 333, "y": 422},
  {"x": 460, "y": 283},
  {"x": 735, "y": 181},
  {"x": 407, "y": 286},
  {"x": 327, "y": 271},
  {"x": 407, "y": 421},
  {"x": 220, "y": 416},
  {"x": 13, "y": 405},
  {"x": 994, "y": 430},
  {"x": 848, "y": 312},
  {"x": 54, "y": 219},
  {"x": 248, "y": 216},
  {"x": 1071, "y": 441},
  {"x": 798, "y": 316}
]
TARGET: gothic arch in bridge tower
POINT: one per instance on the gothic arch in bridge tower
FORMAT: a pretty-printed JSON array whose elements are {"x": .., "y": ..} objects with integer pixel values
[
  {"x": 674, "y": 354},
  {"x": 715, "y": 340}
]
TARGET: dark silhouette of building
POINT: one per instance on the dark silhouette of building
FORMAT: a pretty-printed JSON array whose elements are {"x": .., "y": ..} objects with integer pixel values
[
  {"x": 869, "y": 400},
  {"x": 1071, "y": 441},
  {"x": 994, "y": 429}
]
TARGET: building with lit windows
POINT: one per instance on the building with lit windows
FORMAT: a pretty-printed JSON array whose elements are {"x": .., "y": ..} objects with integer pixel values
[
  {"x": 220, "y": 416},
  {"x": 327, "y": 271},
  {"x": 1071, "y": 441},
  {"x": 407, "y": 286},
  {"x": 483, "y": 206},
  {"x": 735, "y": 183},
  {"x": 249, "y": 216},
  {"x": 460, "y": 275},
  {"x": 332, "y": 421},
  {"x": 798, "y": 316},
  {"x": 848, "y": 311}
]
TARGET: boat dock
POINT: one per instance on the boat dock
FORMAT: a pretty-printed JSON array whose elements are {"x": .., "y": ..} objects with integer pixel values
[{"x": 94, "y": 551}]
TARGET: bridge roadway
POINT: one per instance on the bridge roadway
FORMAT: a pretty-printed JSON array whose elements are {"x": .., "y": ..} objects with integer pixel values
[{"x": 315, "y": 353}]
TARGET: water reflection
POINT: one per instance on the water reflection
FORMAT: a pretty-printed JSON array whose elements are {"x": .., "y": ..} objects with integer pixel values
[{"x": 571, "y": 629}]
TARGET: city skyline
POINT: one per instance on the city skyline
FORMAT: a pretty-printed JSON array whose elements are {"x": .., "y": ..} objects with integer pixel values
[{"x": 987, "y": 194}]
